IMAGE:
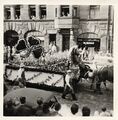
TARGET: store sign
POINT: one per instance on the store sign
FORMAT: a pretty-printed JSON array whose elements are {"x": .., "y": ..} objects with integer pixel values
[{"x": 87, "y": 43}]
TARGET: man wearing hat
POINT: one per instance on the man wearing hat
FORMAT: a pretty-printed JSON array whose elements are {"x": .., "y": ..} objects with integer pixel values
[{"x": 68, "y": 88}]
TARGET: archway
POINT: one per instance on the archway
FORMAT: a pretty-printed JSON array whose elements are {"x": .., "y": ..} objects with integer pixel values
[{"x": 10, "y": 39}]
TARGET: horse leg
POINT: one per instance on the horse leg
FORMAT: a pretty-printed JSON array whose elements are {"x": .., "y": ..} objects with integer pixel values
[{"x": 74, "y": 84}]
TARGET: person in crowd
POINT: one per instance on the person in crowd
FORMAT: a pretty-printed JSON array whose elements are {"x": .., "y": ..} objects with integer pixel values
[
  {"x": 68, "y": 88},
  {"x": 16, "y": 85},
  {"x": 56, "y": 110},
  {"x": 104, "y": 112},
  {"x": 23, "y": 109},
  {"x": 43, "y": 58},
  {"x": 54, "y": 48},
  {"x": 38, "y": 108},
  {"x": 96, "y": 113},
  {"x": 45, "y": 110},
  {"x": 63, "y": 14},
  {"x": 111, "y": 112},
  {"x": 74, "y": 109},
  {"x": 86, "y": 111},
  {"x": 8, "y": 108},
  {"x": 50, "y": 47}
]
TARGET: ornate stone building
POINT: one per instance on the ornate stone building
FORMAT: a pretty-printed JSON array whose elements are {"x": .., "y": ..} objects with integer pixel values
[{"x": 64, "y": 24}]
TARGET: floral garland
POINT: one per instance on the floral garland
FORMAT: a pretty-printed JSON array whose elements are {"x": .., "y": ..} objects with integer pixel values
[
  {"x": 46, "y": 80},
  {"x": 35, "y": 75},
  {"x": 53, "y": 84}
]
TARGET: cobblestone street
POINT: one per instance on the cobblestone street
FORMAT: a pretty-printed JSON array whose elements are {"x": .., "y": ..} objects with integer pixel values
[{"x": 93, "y": 100}]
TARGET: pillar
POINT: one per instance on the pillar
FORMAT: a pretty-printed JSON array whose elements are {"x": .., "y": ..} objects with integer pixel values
[
  {"x": 25, "y": 12},
  {"x": 59, "y": 40},
  {"x": 12, "y": 9},
  {"x": 46, "y": 42},
  {"x": 58, "y": 11},
  {"x": 72, "y": 42},
  {"x": 71, "y": 10},
  {"x": 37, "y": 12}
]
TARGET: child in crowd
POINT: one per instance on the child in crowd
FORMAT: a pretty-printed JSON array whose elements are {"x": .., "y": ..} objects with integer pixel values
[
  {"x": 86, "y": 111},
  {"x": 104, "y": 112}
]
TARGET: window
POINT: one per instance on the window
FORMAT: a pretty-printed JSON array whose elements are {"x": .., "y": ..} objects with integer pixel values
[
  {"x": 7, "y": 12},
  {"x": 75, "y": 11},
  {"x": 32, "y": 11},
  {"x": 43, "y": 11},
  {"x": 17, "y": 12},
  {"x": 94, "y": 11},
  {"x": 52, "y": 38},
  {"x": 64, "y": 10}
]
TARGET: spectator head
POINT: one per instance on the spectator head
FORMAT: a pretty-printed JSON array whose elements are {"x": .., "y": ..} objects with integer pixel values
[
  {"x": 9, "y": 103},
  {"x": 39, "y": 101},
  {"x": 16, "y": 83},
  {"x": 111, "y": 112},
  {"x": 96, "y": 113},
  {"x": 85, "y": 111},
  {"x": 57, "y": 106},
  {"x": 45, "y": 107},
  {"x": 74, "y": 108},
  {"x": 104, "y": 109},
  {"x": 23, "y": 100}
]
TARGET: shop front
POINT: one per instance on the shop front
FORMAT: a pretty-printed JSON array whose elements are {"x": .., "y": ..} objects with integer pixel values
[{"x": 90, "y": 40}]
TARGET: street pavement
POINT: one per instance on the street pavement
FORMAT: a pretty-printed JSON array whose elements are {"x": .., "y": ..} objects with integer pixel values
[{"x": 87, "y": 97}]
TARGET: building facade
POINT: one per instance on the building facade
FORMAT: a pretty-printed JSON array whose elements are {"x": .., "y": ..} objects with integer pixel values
[{"x": 63, "y": 24}]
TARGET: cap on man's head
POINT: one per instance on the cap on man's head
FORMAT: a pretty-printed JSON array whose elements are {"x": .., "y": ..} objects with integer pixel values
[{"x": 69, "y": 71}]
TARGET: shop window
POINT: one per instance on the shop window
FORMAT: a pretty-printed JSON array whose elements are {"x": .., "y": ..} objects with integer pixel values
[
  {"x": 32, "y": 11},
  {"x": 64, "y": 10},
  {"x": 43, "y": 11},
  {"x": 7, "y": 12},
  {"x": 94, "y": 11},
  {"x": 17, "y": 12}
]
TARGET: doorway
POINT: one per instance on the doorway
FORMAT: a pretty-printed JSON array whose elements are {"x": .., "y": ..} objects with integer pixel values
[
  {"x": 52, "y": 38},
  {"x": 65, "y": 39}
]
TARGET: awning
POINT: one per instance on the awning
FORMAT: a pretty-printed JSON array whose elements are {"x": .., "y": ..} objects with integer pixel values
[{"x": 88, "y": 35}]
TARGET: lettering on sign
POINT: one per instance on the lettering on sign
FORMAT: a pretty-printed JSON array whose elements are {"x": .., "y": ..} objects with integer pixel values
[{"x": 88, "y": 42}]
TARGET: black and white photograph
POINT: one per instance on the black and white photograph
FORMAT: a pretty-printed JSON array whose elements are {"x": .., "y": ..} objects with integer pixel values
[{"x": 58, "y": 60}]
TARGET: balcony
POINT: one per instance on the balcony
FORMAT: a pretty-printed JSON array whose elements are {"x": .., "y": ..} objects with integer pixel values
[{"x": 66, "y": 22}]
